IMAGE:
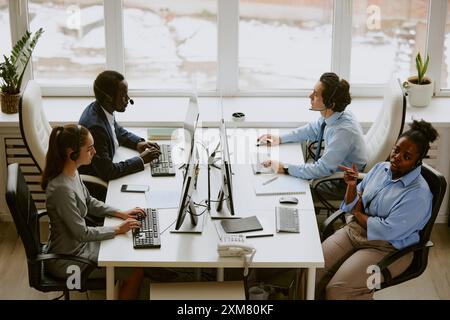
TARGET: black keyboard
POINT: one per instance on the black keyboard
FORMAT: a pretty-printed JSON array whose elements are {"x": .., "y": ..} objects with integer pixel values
[
  {"x": 148, "y": 235},
  {"x": 163, "y": 166},
  {"x": 287, "y": 219}
]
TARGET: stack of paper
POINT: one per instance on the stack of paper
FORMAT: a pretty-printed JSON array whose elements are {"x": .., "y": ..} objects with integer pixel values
[{"x": 160, "y": 133}]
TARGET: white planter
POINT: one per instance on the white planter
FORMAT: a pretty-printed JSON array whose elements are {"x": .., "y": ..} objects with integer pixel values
[{"x": 419, "y": 95}]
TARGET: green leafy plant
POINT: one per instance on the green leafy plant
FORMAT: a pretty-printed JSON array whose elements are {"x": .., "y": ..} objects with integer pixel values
[
  {"x": 421, "y": 68},
  {"x": 13, "y": 68}
]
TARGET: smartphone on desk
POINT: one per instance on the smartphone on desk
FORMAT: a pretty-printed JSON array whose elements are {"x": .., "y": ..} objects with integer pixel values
[{"x": 136, "y": 188}]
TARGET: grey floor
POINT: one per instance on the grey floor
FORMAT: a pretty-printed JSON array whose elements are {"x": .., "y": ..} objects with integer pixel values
[{"x": 434, "y": 283}]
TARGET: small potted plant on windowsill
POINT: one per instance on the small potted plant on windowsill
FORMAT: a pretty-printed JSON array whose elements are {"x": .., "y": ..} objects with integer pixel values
[
  {"x": 420, "y": 87},
  {"x": 12, "y": 70}
]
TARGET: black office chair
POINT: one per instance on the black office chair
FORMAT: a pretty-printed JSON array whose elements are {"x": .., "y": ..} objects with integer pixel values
[
  {"x": 437, "y": 185},
  {"x": 26, "y": 218}
]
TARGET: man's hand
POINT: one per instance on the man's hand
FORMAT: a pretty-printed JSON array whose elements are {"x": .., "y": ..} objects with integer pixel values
[
  {"x": 350, "y": 174},
  {"x": 141, "y": 146},
  {"x": 276, "y": 165},
  {"x": 268, "y": 139},
  {"x": 149, "y": 155}
]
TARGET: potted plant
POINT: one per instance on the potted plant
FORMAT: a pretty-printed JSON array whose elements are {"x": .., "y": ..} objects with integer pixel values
[
  {"x": 419, "y": 88},
  {"x": 12, "y": 70}
]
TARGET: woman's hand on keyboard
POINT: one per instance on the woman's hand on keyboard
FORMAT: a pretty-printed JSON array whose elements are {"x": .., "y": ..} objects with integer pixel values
[
  {"x": 136, "y": 213},
  {"x": 127, "y": 225}
]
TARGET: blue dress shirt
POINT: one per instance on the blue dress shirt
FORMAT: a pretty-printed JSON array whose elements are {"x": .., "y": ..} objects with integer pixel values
[
  {"x": 344, "y": 144},
  {"x": 397, "y": 209}
]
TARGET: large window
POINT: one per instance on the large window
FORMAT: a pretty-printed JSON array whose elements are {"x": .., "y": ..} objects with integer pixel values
[
  {"x": 72, "y": 49},
  {"x": 445, "y": 75},
  {"x": 230, "y": 47},
  {"x": 5, "y": 34},
  {"x": 171, "y": 44},
  {"x": 386, "y": 37},
  {"x": 284, "y": 44}
]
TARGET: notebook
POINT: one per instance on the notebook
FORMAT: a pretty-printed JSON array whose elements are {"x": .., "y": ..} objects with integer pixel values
[
  {"x": 160, "y": 133},
  {"x": 284, "y": 184},
  {"x": 241, "y": 225}
]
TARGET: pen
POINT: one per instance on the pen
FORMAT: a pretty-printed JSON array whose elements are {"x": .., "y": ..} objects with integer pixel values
[
  {"x": 270, "y": 180},
  {"x": 259, "y": 235}
]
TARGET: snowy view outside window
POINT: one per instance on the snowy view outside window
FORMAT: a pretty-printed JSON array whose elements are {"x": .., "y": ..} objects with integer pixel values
[
  {"x": 171, "y": 44},
  {"x": 386, "y": 37},
  {"x": 284, "y": 44},
  {"x": 72, "y": 49},
  {"x": 445, "y": 75},
  {"x": 5, "y": 36}
]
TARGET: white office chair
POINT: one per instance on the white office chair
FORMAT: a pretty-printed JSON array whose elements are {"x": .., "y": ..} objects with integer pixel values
[
  {"x": 379, "y": 140},
  {"x": 36, "y": 129}
]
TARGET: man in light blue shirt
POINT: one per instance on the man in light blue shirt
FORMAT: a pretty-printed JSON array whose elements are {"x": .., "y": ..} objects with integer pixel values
[{"x": 342, "y": 134}]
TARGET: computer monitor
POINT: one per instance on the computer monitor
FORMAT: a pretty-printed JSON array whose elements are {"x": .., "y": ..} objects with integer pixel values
[
  {"x": 190, "y": 175},
  {"x": 195, "y": 225},
  {"x": 190, "y": 124},
  {"x": 226, "y": 190}
]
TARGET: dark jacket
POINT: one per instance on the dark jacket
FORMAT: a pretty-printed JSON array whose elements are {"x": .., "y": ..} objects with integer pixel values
[{"x": 102, "y": 166}]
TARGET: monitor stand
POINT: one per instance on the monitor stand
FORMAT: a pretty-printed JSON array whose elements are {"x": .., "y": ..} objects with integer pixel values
[
  {"x": 193, "y": 224},
  {"x": 221, "y": 212}
]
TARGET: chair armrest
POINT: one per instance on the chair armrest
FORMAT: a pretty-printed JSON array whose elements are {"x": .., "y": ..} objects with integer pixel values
[
  {"x": 93, "y": 179},
  {"x": 394, "y": 256},
  {"x": 310, "y": 154},
  {"x": 42, "y": 213},
  {"x": 327, "y": 225},
  {"x": 61, "y": 256}
]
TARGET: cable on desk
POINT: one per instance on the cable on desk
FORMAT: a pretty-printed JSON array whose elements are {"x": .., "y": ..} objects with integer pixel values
[{"x": 168, "y": 227}]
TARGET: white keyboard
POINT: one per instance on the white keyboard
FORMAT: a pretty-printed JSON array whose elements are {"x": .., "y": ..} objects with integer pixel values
[{"x": 287, "y": 219}]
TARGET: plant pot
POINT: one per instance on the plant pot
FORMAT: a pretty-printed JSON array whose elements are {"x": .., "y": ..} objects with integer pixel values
[
  {"x": 10, "y": 102},
  {"x": 419, "y": 95}
]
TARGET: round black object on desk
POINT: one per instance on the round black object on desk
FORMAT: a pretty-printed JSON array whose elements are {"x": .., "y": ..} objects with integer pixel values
[{"x": 238, "y": 116}]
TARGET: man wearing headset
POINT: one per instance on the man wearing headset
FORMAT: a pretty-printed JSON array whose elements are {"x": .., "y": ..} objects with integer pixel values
[
  {"x": 111, "y": 94},
  {"x": 342, "y": 134}
]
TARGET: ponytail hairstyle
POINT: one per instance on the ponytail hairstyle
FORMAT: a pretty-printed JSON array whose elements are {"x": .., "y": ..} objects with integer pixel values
[
  {"x": 421, "y": 133},
  {"x": 70, "y": 136},
  {"x": 335, "y": 91}
]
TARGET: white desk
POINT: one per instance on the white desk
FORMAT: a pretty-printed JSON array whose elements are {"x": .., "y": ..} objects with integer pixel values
[{"x": 283, "y": 250}]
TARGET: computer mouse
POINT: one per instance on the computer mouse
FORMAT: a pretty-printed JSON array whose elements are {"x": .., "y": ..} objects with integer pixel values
[{"x": 288, "y": 200}]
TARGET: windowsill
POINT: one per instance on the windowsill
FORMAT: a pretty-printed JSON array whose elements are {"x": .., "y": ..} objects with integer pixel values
[{"x": 259, "y": 112}]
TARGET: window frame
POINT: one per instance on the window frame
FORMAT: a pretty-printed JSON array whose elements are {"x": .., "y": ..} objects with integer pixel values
[{"x": 228, "y": 50}]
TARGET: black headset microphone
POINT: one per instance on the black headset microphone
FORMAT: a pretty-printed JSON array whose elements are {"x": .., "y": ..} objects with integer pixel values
[{"x": 324, "y": 108}]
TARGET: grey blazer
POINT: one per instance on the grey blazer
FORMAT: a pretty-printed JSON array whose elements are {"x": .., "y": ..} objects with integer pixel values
[{"x": 68, "y": 202}]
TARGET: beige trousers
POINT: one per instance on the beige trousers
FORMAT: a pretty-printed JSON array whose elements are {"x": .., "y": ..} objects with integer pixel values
[{"x": 348, "y": 254}]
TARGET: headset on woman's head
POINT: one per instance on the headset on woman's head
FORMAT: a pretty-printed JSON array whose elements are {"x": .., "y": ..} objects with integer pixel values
[{"x": 75, "y": 154}]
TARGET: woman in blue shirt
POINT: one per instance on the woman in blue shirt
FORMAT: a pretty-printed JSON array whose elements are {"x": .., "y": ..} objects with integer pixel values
[{"x": 389, "y": 208}]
